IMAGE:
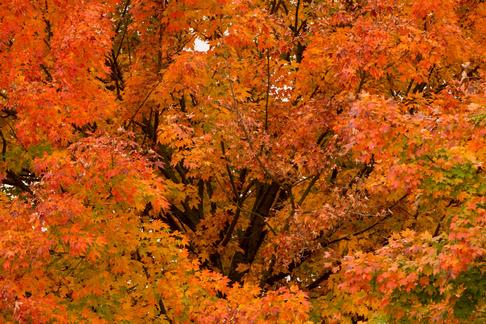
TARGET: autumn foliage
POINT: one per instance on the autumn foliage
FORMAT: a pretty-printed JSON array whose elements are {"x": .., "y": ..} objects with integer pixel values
[{"x": 242, "y": 161}]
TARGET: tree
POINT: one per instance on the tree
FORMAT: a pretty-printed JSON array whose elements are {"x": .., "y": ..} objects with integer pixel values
[{"x": 321, "y": 161}]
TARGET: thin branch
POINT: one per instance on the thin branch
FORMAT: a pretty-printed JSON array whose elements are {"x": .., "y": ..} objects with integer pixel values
[
  {"x": 362, "y": 80},
  {"x": 118, "y": 51},
  {"x": 307, "y": 253},
  {"x": 309, "y": 188},
  {"x": 268, "y": 91},
  {"x": 388, "y": 214},
  {"x": 347, "y": 237},
  {"x": 143, "y": 102},
  {"x": 262, "y": 217},
  {"x": 230, "y": 174},
  {"x": 246, "y": 132},
  {"x": 296, "y": 22},
  {"x": 323, "y": 277},
  {"x": 409, "y": 87},
  {"x": 4, "y": 146},
  {"x": 236, "y": 217},
  {"x": 292, "y": 210},
  {"x": 125, "y": 10}
]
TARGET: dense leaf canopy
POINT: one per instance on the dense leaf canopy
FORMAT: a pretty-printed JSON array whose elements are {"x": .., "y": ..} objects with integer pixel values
[{"x": 242, "y": 161}]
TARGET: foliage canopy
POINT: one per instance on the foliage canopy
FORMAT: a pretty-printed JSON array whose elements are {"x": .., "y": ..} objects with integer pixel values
[{"x": 321, "y": 161}]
